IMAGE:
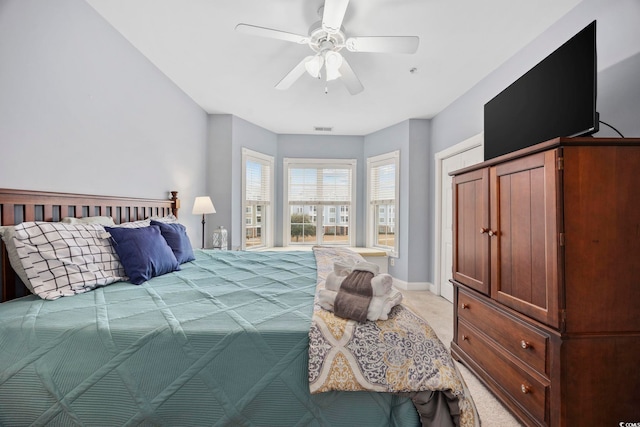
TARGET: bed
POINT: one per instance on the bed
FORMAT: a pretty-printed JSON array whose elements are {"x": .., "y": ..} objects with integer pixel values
[{"x": 223, "y": 340}]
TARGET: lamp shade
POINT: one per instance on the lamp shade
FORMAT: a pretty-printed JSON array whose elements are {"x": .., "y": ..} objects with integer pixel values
[
  {"x": 332, "y": 64},
  {"x": 313, "y": 64},
  {"x": 203, "y": 205}
]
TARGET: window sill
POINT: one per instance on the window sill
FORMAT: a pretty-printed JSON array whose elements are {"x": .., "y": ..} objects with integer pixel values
[{"x": 374, "y": 255}]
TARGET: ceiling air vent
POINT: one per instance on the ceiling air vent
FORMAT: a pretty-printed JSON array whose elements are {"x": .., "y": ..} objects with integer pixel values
[{"x": 322, "y": 129}]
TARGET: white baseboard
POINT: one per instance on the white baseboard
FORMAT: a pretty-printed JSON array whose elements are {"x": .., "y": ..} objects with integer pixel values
[{"x": 412, "y": 286}]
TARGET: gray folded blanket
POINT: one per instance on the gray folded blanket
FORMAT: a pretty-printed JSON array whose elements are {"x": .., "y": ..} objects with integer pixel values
[{"x": 354, "y": 296}]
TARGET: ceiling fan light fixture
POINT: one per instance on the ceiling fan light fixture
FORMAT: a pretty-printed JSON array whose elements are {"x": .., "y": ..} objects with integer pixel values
[
  {"x": 326, "y": 38},
  {"x": 333, "y": 62},
  {"x": 333, "y": 74},
  {"x": 313, "y": 65}
]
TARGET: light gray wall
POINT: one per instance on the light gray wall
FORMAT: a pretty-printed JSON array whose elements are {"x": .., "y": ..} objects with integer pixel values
[
  {"x": 618, "y": 46},
  {"x": 219, "y": 174},
  {"x": 618, "y": 41},
  {"x": 420, "y": 235},
  {"x": 411, "y": 137},
  {"x": 256, "y": 138},
  {"x": 386, "y": 140},
  {"x": 619, "y": 97},
  {"x": 82, "y": 111},
  {"x": 227, "y": 136}
]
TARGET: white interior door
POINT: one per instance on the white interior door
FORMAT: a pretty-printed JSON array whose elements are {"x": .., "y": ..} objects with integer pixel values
[{"x": 449, "y": 164}]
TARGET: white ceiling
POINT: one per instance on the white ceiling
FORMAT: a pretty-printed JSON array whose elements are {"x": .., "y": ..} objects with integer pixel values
[{"x": 194, "y": 43}]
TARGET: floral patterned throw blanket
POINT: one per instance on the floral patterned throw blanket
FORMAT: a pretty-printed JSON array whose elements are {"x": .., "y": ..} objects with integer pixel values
[{"x": 398, "y": 355}]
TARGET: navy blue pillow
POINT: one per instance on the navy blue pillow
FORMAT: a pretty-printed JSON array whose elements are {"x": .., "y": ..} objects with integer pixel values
[
  {"x": 176, "y": 236},
  {"x": 143, "y": 252}
]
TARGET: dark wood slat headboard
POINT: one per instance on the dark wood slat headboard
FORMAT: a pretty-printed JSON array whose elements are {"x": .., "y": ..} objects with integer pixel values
[{"x": 17, "y": 206}]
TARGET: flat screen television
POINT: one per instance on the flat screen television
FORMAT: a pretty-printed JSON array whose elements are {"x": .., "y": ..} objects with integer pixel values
[{"x": 556, "y": 98}]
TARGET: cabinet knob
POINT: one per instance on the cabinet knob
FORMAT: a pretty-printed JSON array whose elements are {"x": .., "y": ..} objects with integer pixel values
[
  {"x": 492, "y": 233},
  {"x": 465, "y": 338},
  {"x": 525, "y": 344},
  {"x": 525, "y": 389},
  {"x": 484, "y": 230},
  {"x": 464, "y": 306}
]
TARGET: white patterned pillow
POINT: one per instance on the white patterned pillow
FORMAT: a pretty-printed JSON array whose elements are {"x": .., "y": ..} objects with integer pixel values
[
  {"x": 102, "y": 220},
  {"x": 134, "y": 224},
  {"x": 145, "y": 222},
  {"x": 7, "y": 233},
  {"x": 167, "y": 219},
  {"x": 66, "y": 259}
]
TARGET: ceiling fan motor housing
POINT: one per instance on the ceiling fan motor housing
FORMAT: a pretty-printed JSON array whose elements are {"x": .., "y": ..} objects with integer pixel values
[{"x": 321, "y": 41}]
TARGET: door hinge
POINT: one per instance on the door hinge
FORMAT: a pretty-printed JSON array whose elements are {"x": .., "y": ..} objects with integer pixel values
[
  {"x": 560, "y": 163},
  {"x": 561, "y": 239},
  {"x": 563, "y": 320}
]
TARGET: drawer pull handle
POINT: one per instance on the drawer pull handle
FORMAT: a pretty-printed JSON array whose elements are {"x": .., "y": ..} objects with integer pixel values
[
  {"x": 465, "y": 306},
  {"x": 525, "y": 388},
  {"x": 525, "y": 344}
]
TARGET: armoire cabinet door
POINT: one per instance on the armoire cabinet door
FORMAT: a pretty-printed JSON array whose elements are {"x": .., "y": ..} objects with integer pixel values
[
  {"x": 471, "y": 229},
  {"x": 525, "y": 241}
]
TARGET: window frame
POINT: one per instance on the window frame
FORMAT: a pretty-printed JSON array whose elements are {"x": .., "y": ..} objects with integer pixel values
[
  {"x": 372, "y": 209},
  {"x": 267, "y": 226},
  {"x": 313, "y": 163}
]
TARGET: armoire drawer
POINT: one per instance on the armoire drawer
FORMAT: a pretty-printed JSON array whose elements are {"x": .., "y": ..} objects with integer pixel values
[
  {"x": 525, "y": 389},
  {"x": 524, "y": 342}
]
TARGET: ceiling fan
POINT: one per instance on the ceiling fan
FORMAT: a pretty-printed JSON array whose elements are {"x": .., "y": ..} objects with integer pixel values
[{"x": 327, "y": 38}]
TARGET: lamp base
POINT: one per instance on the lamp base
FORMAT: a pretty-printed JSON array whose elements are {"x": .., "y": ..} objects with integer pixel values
[{"x": 202, "y": 231}]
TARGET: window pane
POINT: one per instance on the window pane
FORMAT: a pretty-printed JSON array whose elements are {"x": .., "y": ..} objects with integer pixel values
[
  {"x": 386, "y": 226},
  {"x": 303, "y": 228},
  {"x": 383, "y": 183},
  {"x": 257, "y": 181},
  {"x": 253, "y": 228},
  {"x": 336, "y": 184},
  {"x": 319, "y": 184},
  {"x": 335, "y": 226}
]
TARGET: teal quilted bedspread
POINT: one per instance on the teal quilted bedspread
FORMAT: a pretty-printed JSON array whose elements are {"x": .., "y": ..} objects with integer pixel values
[{"x": 222, "y": 342}]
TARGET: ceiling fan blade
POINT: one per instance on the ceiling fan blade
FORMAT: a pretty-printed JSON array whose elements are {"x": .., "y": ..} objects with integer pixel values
[
  {"x": 385, "y": 44},
  {"x": 293, "y": 75},
  {"x": 349, "y": 78},
  {"x": 274, "y": 34},
  {"x": 333, "y": 15}
]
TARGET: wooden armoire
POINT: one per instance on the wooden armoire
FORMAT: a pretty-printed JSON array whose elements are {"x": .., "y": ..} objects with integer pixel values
[{"x": 546, "y": 275}]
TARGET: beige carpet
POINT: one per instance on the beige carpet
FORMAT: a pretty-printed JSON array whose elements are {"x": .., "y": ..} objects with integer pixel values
[{"x": 439, "y": 313}]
